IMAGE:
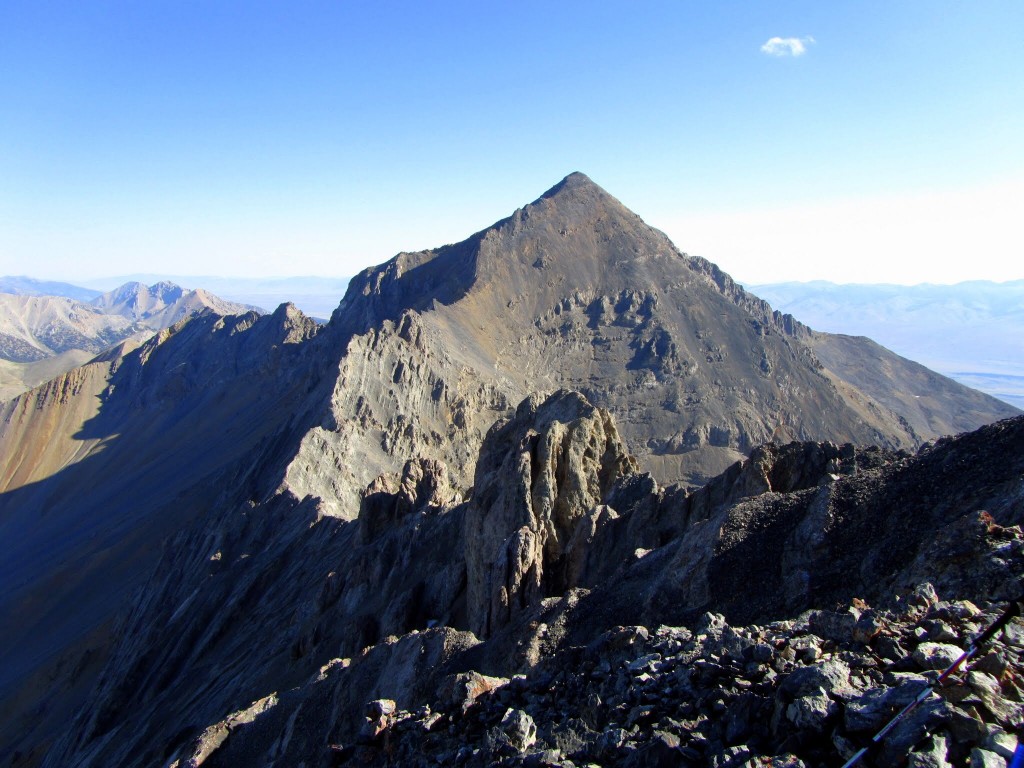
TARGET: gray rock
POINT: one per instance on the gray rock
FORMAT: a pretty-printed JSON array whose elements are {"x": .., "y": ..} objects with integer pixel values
[
  {"x": 811, "y": 711},
  {"x": 991, "y": 694},
  {"x": 871, "y": 710},
  {"x": 933, "y": 754},
  {"x": 644, "y": 662},
  {"x": 662, "y": 751},
  {"x": 889, "y": 648},
  {"x": 982, "y": 758},
  {"x": 379, "y": 717},
  {"x": 941, "y": 632},
  {"x": 1002, "y": 743},
  {"x": 831, "y": 676},
  {"x": 835, "y": 626},
  {"x": 519, "y": 729},
  {"x": 731, "y": 757},
  {"x": 1013, "y": 633},
  {"x": 936, "y": 655},
  {"x": 459, "y": 692},
  {"x": 929, "y": 715},
  {"x": 867, "y": 628},
  {"x": 611, "y": 739},
  {"x": 775, "y": 761},
  {"x": 923, "y": 597}
]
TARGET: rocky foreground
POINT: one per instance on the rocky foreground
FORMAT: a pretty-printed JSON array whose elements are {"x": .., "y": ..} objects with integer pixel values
[
  {"x": 810, "y": 691},
  {"x": 573, "y": 613}
]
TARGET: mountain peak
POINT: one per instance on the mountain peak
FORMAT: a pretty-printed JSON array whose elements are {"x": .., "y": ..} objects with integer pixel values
[
  {"x": 573, "y": 182},
  {"x": 576, "y": 231},
  {"x": 578, "y": 187}
]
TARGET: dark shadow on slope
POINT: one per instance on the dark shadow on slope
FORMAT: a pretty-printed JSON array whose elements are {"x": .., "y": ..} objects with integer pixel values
[
  {"x": 219, "y": 393},
  {"x": 416, "y": 281}
]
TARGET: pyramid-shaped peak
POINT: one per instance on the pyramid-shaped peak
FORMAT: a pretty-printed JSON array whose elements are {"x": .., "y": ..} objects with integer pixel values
[{"x": 575, "y": 183}]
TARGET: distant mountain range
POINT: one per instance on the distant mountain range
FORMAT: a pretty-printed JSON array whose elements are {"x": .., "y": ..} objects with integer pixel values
[
  {"x": 972, "y": 331},
  {"x": 317, "y": 297},
  {"x": 44, "y": 334},
  {"x": 28, "y": 286}
]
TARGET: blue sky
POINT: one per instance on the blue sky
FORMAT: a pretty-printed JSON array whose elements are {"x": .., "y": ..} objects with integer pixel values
[{"x": 319, "y": 138}]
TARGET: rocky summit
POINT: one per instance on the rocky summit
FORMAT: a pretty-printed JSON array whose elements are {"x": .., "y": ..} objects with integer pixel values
[{"x": 556, "y": 495}]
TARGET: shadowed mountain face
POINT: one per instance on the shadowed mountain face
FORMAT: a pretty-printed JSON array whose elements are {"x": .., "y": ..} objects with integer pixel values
[
  {"x": 44, "y": 335},
  {"x": 263, "y": 633},
  {"x": 278, "y": 457}
]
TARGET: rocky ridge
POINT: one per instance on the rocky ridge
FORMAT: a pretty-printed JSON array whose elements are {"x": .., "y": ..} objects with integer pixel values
[
  {"x": 538, "y": 573},
  {"x": 314, "y": 487},
  {"x": 42, "y": 336},
  {"x": 88, "y": 502}
]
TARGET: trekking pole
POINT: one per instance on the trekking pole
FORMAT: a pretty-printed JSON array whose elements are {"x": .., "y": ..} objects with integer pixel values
[
  {"x": 1012, "y": 610},
  {"x": 1018, "y": 755}
]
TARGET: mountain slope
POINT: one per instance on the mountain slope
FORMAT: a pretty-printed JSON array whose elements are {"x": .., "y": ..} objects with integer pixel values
[
  {"x": 576, "y": 291},
  {"x": 226, "y": 431},
  {"x": 973, "y": 332},
  {"x": 33, "y": 328},
  {"x": 27, "y": 286},
  {"x": 104, "y": 462},
  {"x": 163, "y": 304},
  {"x": 41, "y": 335},
  {"x": 294, "y": 623},
  {"x": 316, "y": 296},
  {"x": 16, "y": 378},
  {"x": 931, "y": 403}
]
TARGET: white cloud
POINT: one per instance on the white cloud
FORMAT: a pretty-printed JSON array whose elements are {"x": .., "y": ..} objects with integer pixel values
[{"x": 787, "y": 46}]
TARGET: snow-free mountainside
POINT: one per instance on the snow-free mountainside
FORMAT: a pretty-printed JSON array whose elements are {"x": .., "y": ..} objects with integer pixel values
[
  {"x": 558, "y": 494},
  {"x": 972, "y": 332},
  {"x": 44, "y": 334}
]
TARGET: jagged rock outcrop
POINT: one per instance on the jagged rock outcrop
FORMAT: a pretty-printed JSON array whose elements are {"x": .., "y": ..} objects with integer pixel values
[
  {"x": 399, "y": 392},
  {"x": 360, "y": 611},
  {"x": 424, "y": 485},
  {"x": 540, "y": 481}
]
